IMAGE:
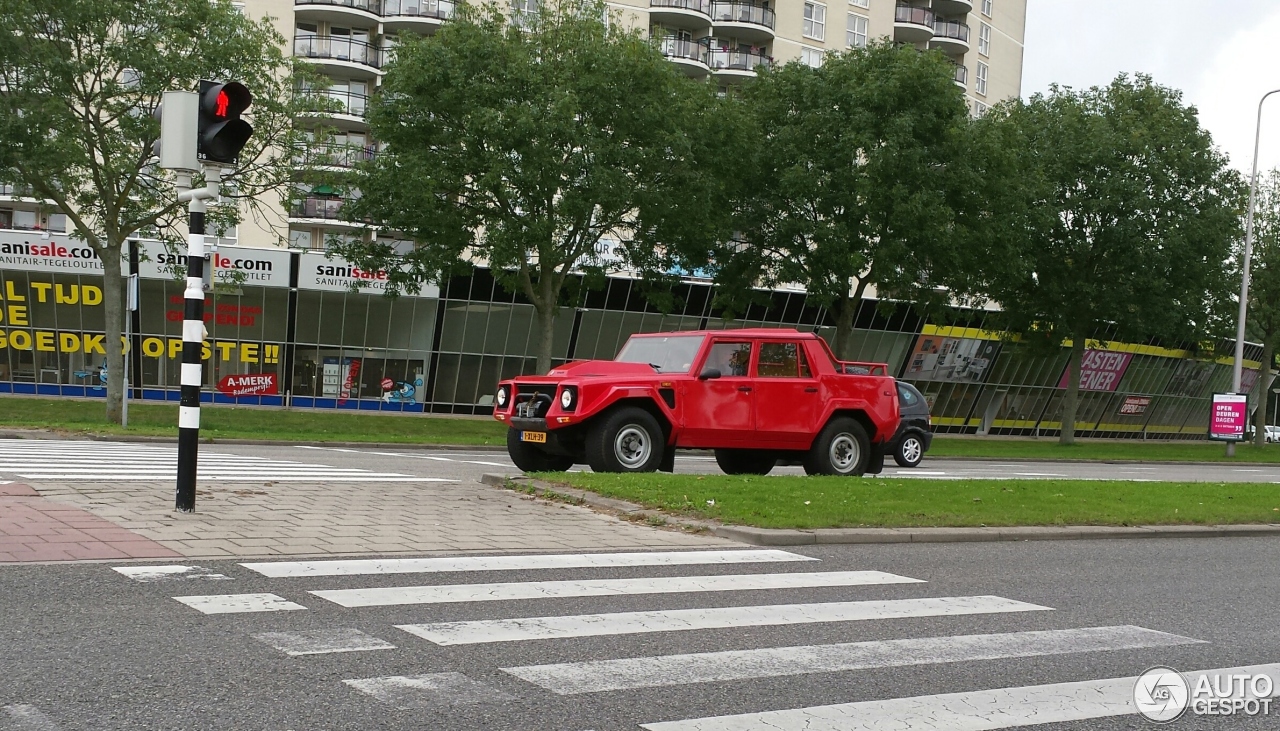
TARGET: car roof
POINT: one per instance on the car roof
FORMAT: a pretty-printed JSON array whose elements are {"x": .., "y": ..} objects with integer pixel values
[{"x": 747, "y": 332}]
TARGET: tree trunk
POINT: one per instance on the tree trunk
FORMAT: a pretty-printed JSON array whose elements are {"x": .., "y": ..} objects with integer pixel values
[
  {"x": 1072, "y": 398},
  {"x": 845, "y": 309},
  {"x": 1264, "y": 394},
  {"x": 546, "y": 335},
  {"x": 113, "y": 304}
]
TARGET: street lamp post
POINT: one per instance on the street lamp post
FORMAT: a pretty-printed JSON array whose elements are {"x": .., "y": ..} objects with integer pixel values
[{"x": 1238, "y": 366}]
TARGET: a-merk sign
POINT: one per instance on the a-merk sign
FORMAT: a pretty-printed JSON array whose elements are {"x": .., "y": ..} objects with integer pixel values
[
  {"x": 319, "y": 272},
  {"x": 251, "y": 384}
]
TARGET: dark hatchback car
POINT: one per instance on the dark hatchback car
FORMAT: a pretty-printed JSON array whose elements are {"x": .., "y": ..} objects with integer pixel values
[{"x": 914, "y": 433}]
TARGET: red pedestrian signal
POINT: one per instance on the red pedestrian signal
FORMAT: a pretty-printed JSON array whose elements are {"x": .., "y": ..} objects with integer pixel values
[{"x": 221, "y": 133}]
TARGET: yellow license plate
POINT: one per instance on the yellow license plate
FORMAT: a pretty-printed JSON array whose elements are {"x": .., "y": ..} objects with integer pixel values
[{"x": 534, "y": 436}]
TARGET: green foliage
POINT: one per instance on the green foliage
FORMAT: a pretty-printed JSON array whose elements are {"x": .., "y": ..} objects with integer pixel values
[
  {"x": 79, "y": 82},
  {"x": 1264, "y": 289},
  {"x": 856, "y": 180},
  {"x": 1125, "y": 214},
  {"x": 546, "y": 148}
]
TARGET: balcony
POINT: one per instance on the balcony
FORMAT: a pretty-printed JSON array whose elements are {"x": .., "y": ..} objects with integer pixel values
[
  {"x": 745, "y": 21},
  {"x": 690, "y": 14},
  {"x": 16, "y": 191},
  {"x": 339, "y": 54},
  {"x": 691, "y": 56},
  {"x": 333, "y": 154},
  {"x": 912, "y": 25},
  {"x": 421, "y": 16},
  {"x": 339, "y": 104},
  {"x": 962, "y": 76},
  {"x": 728, "y": 63},
  {"x": 341, "y": 12},
  {"x": 953, "y": 8},
  {"x": 321, "y": 208},
  {"x": 950, "y": 37}
]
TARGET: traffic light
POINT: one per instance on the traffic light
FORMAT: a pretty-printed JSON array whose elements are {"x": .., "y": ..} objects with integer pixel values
[{"x": 221, "y": 133}]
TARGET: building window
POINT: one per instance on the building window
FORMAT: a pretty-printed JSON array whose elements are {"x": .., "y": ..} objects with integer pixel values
[
  {"x": 855, "y": 35},
  {"x": 986, "y": 7},
  {"x": 815, "y": 21},
  {"x": 523, "y": 12},
  {"x": 980, "y": 85},
  {"x": 860, "y": 3},
  {"x": 811, "y": 57},
  {"x": 984, "y": 40},
  {"x": 979, "y": 108}
]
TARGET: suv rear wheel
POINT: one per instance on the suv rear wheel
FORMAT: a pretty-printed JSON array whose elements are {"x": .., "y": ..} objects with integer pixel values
[
  {"x": 529, "y": 458},
  {"x": 745, "y": 461},
  {"x": 626, "y": 440},
  {"x": 842, "y": 448}
]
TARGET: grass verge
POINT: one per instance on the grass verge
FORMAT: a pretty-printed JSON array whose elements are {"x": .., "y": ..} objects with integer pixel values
[
  {"x": 835, "y": 502},
  {"x": 228, "y": 422},
  {"x": 1047, "y": 448}
]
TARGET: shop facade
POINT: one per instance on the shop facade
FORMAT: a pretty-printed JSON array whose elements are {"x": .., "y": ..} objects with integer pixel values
[{"x": 297, "y": 328}]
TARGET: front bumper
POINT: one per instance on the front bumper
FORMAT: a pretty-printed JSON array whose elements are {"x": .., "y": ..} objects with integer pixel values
[{"x": 559, "y": 441}]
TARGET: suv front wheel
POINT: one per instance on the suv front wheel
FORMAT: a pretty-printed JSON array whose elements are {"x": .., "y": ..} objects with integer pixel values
[
  {"x": 842, "y": 448},
  {"x": 626, "y": 440}
]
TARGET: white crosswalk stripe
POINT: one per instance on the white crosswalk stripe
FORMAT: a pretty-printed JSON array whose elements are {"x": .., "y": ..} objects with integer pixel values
[
  {"x": 614, "y": 669},
  {"x": 118, "y": 461}
]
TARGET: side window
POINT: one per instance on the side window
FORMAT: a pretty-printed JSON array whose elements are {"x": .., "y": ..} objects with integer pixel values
[
  {"x": 906, "y": 396},
  {"x": 782, "y": 360},
  {"x": 731, "y": 359}
]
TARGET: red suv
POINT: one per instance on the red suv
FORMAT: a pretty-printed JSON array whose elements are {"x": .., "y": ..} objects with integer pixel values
[{"x": 756, "y": 397}]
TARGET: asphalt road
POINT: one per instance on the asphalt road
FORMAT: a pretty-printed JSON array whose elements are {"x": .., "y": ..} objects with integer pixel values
[{"x": 83, "y": 647}]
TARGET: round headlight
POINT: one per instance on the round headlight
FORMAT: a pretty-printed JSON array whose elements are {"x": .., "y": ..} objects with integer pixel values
[
  {"x": 501, "y": 398},
  {"x": 566, "y": 399}
]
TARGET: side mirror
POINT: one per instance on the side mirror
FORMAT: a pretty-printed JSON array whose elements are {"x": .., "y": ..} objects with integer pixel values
[{"x": 709, "y": 373}]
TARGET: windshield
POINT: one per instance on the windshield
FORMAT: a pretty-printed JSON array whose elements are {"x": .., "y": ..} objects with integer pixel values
[{"x": 673, "y": 354}]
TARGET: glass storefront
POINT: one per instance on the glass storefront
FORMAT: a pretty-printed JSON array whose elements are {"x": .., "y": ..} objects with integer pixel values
[{"x": 294, "y": 327}]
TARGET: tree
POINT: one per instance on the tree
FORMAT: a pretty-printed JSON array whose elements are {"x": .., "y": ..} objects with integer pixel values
[
  {"x": 1264, "y": 291},
  {"x": 853, "y": 182},
  {"x": 79, "y": 82},
  {"x": 546, "y": 145},
  {"x": 1128, "y": 215}
]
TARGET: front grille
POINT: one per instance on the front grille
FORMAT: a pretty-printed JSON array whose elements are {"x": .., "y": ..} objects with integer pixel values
[{"x": 533, "y": 401}]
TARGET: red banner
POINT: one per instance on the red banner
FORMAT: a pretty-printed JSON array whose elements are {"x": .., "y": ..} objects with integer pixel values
[
  {"x": 1100, "y": 370},
  {"x": 252, "y": 384},
  {"x": 1135, "y": 405}
]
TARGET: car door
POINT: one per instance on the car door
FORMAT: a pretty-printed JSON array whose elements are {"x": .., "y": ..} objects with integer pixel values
[
  {"x": 718, "y": 411},
  {"x": 788, "y": 400}
]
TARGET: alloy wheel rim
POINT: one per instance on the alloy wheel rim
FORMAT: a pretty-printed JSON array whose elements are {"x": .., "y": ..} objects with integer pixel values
[
  {"x": 911, "y": 449},
  {"x": 632, "y": 446},
  {"x": 844, "y": 453}
]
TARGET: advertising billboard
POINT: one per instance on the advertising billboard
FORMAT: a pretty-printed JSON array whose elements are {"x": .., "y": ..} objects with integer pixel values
[
  {"x": 1100, "y": 370},
  {"x": 955, "y": 360},
  {"x": 1229, "y": 416}
]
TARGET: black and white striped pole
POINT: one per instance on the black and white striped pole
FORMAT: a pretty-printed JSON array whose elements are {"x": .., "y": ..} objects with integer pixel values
[{"x": 193, "y": 334}]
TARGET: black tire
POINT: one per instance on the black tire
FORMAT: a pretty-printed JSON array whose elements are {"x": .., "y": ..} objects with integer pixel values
[
  {"x": 628, "y": 439},
  {"x": 909, "y": 450},
  {"x": 745, "y": 461},
  {"x": 833, "y": 452},
  {"x": 530, "y": 458}
]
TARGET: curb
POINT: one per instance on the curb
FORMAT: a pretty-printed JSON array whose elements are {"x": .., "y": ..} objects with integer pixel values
[
  {"x": 36, "y": 434},
  {"x": 1070, "y": 460},
  {"x": 831, "y": 536}
]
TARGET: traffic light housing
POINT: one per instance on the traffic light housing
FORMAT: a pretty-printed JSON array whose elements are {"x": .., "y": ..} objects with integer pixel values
[{"x": 221, "y": 133}]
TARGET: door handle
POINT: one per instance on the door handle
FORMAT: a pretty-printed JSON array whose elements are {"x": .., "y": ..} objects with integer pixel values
[
  {"x": 744, "y": 389},
  {"x": 811, "y": 390}
]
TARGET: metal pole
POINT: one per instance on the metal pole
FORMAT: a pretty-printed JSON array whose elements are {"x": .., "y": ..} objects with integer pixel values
[
  {"x": 192, "y": 344},
  {"x": 1238, "y": 366}
]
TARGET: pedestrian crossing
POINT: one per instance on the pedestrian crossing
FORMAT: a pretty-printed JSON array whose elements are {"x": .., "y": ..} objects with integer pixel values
[
  {"x": 92, "y": 461},
  {"x": 525, "y": 632}
]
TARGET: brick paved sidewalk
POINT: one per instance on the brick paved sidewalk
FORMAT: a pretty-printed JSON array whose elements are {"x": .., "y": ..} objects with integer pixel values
[
  {"x": 34, "y": 528},
  {"x": 262, "y": 520}
]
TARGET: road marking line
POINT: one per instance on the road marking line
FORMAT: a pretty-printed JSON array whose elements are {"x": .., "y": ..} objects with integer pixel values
[
  {"x": 323, "y": 641},
  {"x": 24, "y": 717},
  {"x": 238, "y": 603},
  {"x": 982, "y": 710},
  {"x": 436, "y": 689},
  {"x": 363, "y": 567},
  {"x": 147, "y": 574},
  {"x": 245, "y": 478},
  {"x": 1038, "y": 474},
  {"x": 917, "y": 472},
  {"x": 625, "y": 623},
  {"x": 392, "y": 596},
  {"x": 380, "y": 454},
  {"x": 651, "y": 672},
  {"x": 487, "y": 464}
]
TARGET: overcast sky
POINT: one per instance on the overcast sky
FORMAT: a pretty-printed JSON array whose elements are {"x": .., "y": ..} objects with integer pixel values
[{"x": 1223, "y": 55}]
